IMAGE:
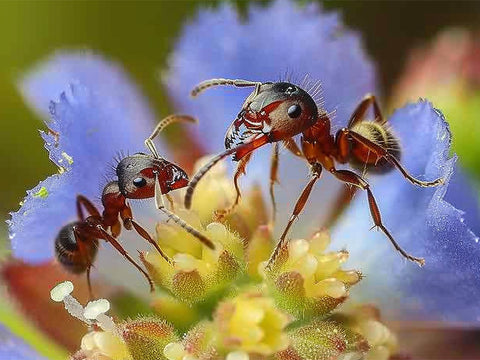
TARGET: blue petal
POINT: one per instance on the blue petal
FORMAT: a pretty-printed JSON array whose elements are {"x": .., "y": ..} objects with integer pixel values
[
  {"x": 274, "y": 40},
  {"x": 424, "y": 224},
  {"x": 462, "y": 194},
  {"x": 14, "y": 348},
  {"x": 97, "y": 112},
  {"x": 264, "y": 48}
]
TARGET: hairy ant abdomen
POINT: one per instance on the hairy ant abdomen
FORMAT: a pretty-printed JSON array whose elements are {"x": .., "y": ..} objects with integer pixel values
[
  {"x": 73, "y": 252},
  {"x": 363, "y": 159}
]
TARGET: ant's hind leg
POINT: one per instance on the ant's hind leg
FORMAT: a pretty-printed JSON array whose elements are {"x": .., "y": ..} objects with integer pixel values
[
  {"x": 350, "y": 177},
  {"x": 358, "y": 114},
  {"x": 382, "y": 152}
]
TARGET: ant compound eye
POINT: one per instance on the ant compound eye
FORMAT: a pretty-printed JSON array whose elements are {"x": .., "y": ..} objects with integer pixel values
[
  {"x": 139, "y": 182},
  {"x": 294, "y": 111}
]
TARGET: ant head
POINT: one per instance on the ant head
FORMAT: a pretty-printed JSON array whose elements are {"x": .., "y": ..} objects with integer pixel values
[
  {"x": 136, "y": 176},
  {"x": 285, "y": 109}
]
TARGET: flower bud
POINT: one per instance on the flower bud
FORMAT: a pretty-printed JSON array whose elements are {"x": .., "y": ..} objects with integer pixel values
[
  {"x": 308, "y": 282},
  {"x": 258, "y": 250},
  {"x": 146, "y": 338},
  {"x": 322, "y": 340},
  {"x": 188, "y": 285},
  {"x": 251, "y": 323}
]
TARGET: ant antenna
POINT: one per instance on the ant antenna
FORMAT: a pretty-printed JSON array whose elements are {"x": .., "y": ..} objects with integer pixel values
[
  {"x": 240, "y": 149},
  {"x": 204, "y": 85},
  {"x": 162, "y": 125}
]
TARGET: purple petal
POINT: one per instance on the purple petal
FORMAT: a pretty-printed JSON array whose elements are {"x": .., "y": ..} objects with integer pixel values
[
  {"x": 14, "y": 348},
  {"x": 274, "y": 40},
  {"x": 97, "y": 112},
  {"x": 423, "y": 223}
]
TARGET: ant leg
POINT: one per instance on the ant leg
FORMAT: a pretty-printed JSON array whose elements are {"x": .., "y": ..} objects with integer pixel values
[
  {"x": 144, "y": 234},
  {"x": 204, "y": 85},
  {"x": 162, "y": 125},
  {"x": 128, "y": 222},
  {"x": 87, "y": 256},
  {"x": 109, "y": 238},
  {"x": 359, "y": 113},
  {"x": 239, "y": 151},
  {"x": 170, "y": 201},
  {"x": 292, "y": 146},
  {"x": 242, "y": 164},
  {"x": 88, "y": 205},
  {"x": 302, "y": 200},
  {"x": 350, "y": 177},
  {"x": 381, "y": 152},
  {"x": 187, "y": 227},
  {"x": 89, "y": 283},
  {"x": 274, "y": 179}
]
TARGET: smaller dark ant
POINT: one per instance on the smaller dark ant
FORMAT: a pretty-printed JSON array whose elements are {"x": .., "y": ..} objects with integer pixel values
[
  {"x": 276, "y": 112},
  {"x": 140, "y": 176}
]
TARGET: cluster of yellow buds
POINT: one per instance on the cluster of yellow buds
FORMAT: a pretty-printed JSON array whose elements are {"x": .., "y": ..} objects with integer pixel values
[
  {"x": 227, "y": 304},
  {"x": 307, "y": 281}
]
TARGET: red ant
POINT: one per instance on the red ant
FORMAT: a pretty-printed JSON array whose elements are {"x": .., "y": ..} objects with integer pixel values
[
  {"x": 276, "y": 112},
  {"x": 140, "y": 176}
]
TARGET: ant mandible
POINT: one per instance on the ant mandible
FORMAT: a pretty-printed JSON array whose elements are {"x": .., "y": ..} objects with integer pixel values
[
  {"x": 276, "y": 112},
  {"x": 140, "y": 176}
]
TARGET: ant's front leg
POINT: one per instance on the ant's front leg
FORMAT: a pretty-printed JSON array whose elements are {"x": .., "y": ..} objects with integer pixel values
[
  {"x": 144, "y": 234},
  {"x": 127, "y": 217},
  {"x": 291, "y": 146},
  {"x": 171, "y": 202},
  {"x": 350, "y": 177},
  {"x": 241, "y": 167},
  {"x": 302, "y": 200},
  {"x": 274, "y": 178},
  {"x": 381, "y": 152},
  {"x": 160, "y": 204}
]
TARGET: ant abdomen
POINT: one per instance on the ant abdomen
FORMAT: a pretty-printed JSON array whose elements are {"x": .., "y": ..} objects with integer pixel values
[
  {"x": 75, "y": 256},
  {"x": 380, "y": 134}
]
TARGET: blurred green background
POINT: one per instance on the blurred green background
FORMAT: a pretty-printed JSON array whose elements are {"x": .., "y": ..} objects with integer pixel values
[{"x": 140, "y": 35}]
